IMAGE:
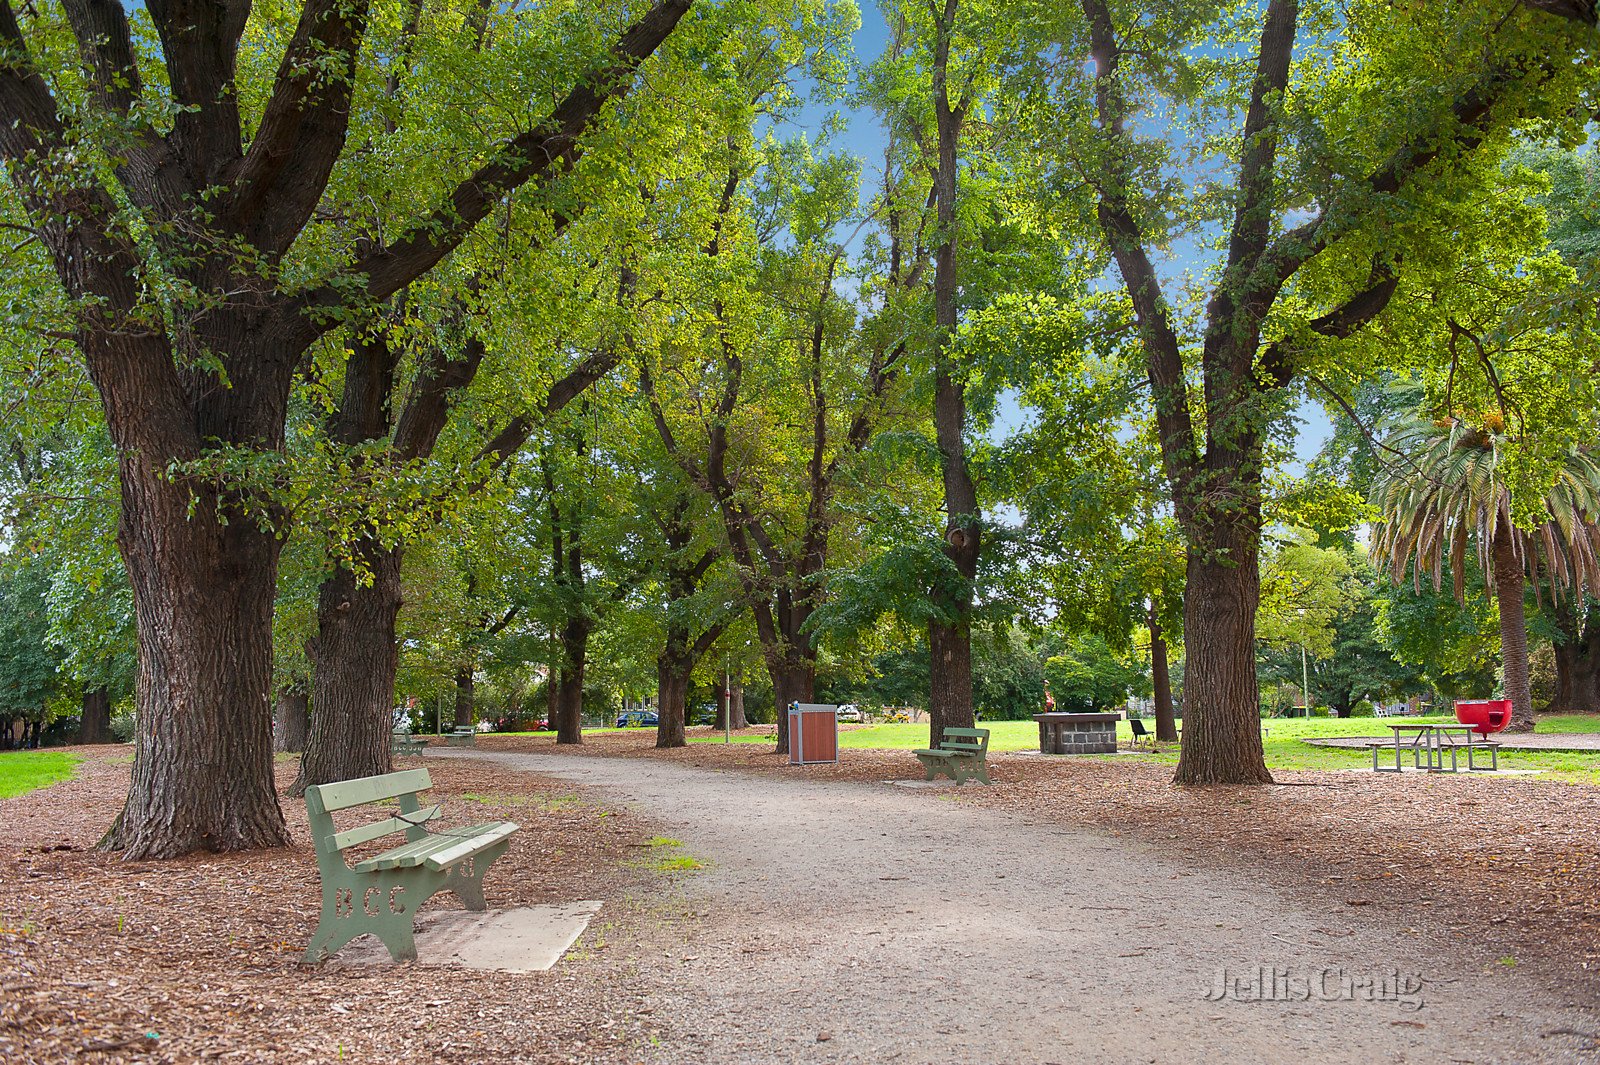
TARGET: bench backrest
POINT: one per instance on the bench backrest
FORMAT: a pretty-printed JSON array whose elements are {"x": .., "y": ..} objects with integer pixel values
[
  {"x": 322, "y": 800},
  {"x": 970, "y": 740}
]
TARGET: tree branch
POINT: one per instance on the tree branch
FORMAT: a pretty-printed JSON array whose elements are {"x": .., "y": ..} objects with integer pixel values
[
  {"x": 438, "y": 379},
  {"x": 1276, "y": 369},
  {"x": 200, "y": 40},
  {"x": 539, "y": 155},
  {"x": 303, "y": 129},
  {"x": 1254, "y": 214},
  {"x": 1163, "y": 354}
]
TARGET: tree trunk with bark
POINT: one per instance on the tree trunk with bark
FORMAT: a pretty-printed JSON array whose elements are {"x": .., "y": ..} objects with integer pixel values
[
  {"x": 794, "y": 680},
  {"x": 1577, "y": 655},
  {"x": 464, "y": 696},
  {"x": 95, "y": 724},
  {"x": 568, "y": 721},
  {"x": 203, "y": 596},
  {"x": 736, "y": 700},
  {"x": 673, "y": 668},
  {"x": 290, "y": 721},
  {"x": 950, "y": 691},
  {"x": 1508, "y": 584},
  {"x": 1222, "y": 703},
  {"x": 950, "y": 636},
  {"x": 354, "y": 657},
  {"x": 1161, "y": 682}
]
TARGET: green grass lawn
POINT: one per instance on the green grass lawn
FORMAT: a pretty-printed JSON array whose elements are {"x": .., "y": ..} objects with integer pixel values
[
  {"x": 24, "y": 771},
  {"x": 1283, "y": 747}
]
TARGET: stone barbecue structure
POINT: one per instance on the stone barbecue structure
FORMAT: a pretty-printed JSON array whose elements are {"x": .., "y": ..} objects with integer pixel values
[{"x": 1061, "y": 733}]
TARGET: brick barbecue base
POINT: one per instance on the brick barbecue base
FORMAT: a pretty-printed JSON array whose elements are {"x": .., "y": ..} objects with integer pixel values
[{"x": 1077, "y": 733}]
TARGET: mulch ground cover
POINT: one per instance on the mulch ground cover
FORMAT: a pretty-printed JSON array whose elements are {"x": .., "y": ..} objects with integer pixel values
[
  {"x": 1505, "y": 868},
  {"x": 199, "y": 958}
]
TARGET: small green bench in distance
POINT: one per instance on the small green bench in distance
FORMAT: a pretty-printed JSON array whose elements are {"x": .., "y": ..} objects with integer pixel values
[
  {"x": 408, "y": 743},
  {"x": 382, "y": 894},
  {"x": 462, "y": 736},
  {"x": 961, "y": 755}
]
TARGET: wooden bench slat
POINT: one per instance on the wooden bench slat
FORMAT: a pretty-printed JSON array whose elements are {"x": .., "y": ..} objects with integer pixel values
[
  {"x": 354, "y": 837},
  {"x": 348, "y": 793},
  {"x": 495, "y": 832},
  {"x": 441, "y": 850},
  {"x": 406, "y": 856}
]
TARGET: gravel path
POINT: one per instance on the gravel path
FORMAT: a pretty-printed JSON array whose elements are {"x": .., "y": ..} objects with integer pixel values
[{"x": 845, "y": 922}]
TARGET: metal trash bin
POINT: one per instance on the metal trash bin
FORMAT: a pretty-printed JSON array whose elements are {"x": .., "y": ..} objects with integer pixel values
[{"x": 813, "y": 733}]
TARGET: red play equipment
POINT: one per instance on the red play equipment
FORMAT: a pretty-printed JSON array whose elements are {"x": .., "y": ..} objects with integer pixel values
[{"x": 1484, "y": 715}]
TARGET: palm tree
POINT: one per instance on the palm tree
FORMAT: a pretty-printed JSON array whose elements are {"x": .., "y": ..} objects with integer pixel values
[{"x": 1447, "y": 490}]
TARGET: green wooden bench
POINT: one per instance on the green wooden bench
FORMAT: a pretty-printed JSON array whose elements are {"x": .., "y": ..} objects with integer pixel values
[
  {"x": 462, "y": 736},
  {"x": 381, "y": 894},
  {"x": 960, "y": 754},
  {"x": 407, "y": 743}
]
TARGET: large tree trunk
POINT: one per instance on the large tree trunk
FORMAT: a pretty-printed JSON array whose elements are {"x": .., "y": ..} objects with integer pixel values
[
  {"x": 722, "y": 701},
  {"x": 1161, "y": 682},
  {"x": 203, "y": 595},
  {"x": 950, "y": 639},
  {"x": 950, "y": 690},
  {"x": 1222, "y": 706},
  {"x": 1513, "y": 630},
  {"x": 353, "y": 661},
  {"x": 464, "y": 696},
  {"x": 736, "y": 700},
  {"x": 290, "y": 722},
  {"x": 95, "y": 724},
  {"x": 794, "y": 680},
  {"x": 568, "y": 722},
  {"x": 672, "y": 694},
  {"x": 1577, "y": 655}
]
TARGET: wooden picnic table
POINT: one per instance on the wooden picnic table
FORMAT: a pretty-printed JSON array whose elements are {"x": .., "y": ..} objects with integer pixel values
[{"x": 1428, "y": 744}]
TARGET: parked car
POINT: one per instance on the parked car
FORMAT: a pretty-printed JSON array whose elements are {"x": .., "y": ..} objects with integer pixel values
[
  {"x": 850, "y": 712},
  {"x": 637, "y": 718}
]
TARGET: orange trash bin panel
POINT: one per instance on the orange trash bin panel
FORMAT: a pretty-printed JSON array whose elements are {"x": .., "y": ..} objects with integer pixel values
[{"x": 813, "y": 733}]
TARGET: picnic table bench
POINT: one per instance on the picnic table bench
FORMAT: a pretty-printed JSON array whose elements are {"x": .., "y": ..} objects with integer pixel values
[
  {"x": 1428, "y": 745},
  {"x": 960, "y": 754},
  {"x": 381, "y": 894},
  {"x": 407, "y": 743},
  {"x": 462, "y": 736}
]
